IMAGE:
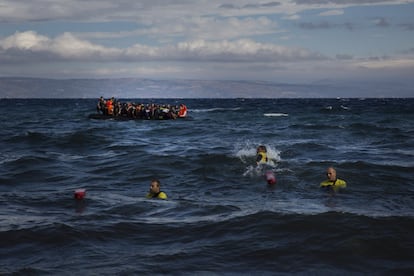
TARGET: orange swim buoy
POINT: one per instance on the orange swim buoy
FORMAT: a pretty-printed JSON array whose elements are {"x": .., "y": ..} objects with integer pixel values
[{"x": 80, "y": 194}]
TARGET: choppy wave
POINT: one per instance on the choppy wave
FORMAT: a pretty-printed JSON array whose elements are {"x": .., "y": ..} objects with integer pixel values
[
  {"x": 210, "y": 246},
  {"x": 220, "y": 210}
]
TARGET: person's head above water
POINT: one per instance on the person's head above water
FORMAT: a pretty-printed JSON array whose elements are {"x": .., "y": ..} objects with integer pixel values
[
  {"x": 155, "y": 186},
  {"x": 332, "y": 181},
  {"x": 331, "y": 174},
  {"x": 155, "y": 190},
  {"x": 261, "y": 148}
]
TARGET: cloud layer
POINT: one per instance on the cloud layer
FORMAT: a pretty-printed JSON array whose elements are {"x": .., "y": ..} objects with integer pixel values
[
  {"x": 33, "y": 47},
  {"x": 290, "y": 40}
]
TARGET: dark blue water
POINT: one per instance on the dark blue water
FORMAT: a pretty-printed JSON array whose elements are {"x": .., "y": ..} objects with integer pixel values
[{"x": 221, "y": 216}]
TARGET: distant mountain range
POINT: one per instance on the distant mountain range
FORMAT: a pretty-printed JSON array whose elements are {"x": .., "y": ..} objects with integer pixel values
[{"x": 145, "y": 88}]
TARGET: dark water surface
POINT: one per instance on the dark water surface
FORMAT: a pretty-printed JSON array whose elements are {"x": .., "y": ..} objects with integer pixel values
[{"x": 221, "y": 217}]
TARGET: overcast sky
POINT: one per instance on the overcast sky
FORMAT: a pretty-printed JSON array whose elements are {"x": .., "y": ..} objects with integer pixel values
[{"x": 294, "y": 41}]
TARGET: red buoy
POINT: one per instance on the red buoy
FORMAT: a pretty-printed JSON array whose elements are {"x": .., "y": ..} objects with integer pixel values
[
  {"x": 270, "y": 178},
  {"x": 80, "y": 193}
]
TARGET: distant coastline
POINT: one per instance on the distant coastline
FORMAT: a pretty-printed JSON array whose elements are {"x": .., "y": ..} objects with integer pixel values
[{"x": 22, "y": 87}]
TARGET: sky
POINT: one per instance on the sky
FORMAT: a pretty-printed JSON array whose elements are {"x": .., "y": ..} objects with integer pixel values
[{"x": 294, "y": 41}]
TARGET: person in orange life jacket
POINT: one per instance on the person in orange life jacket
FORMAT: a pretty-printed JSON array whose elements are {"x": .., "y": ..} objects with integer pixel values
[
  {"x": 110, "y": 106},
  {"x": 183, "y": 111},
  {"x": 261, "y": 155},
  {"x": 155, "y": 191},
  {"x": 332, "y": 182}
]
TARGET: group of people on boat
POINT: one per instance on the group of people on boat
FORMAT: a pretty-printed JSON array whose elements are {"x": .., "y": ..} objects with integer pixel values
[{"x": 115, "y": 108}]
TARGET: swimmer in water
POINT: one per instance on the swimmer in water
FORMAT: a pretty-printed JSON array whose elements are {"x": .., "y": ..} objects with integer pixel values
[
  {"x": 332, "y": 182},
  {"x": 155, "y": 191},
  {"x": 261, "y": 155}
]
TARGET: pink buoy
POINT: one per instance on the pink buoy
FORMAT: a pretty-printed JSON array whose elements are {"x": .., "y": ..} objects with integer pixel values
[
  {"x": 80, "y": 193},
  {"x": 270, "y": 178}
]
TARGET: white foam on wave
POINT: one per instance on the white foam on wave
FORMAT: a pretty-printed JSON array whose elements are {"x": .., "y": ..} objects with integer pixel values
[
  {"x": 19, "y": 221},
  {"x": 8, "y": 157},
  {"x": 275, "y": 114},
  {"x": 195, "y": 218},
  {"x": 246, "y": 152},
  {"x": 302, "y": 206}
]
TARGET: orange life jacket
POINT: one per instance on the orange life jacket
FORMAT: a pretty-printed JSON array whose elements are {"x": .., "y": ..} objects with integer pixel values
[
  {"x": 110, "y": 107},
  {"x": 183, "y": 111}
]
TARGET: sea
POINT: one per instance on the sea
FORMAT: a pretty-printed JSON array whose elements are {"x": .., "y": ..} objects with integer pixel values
[{"x": 221, "y": 216}]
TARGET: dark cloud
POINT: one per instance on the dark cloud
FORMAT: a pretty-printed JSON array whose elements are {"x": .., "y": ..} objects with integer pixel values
[
  {"x": 378, "y": 58},
  {"x": 349, "y": 26},
  {"x": 250, "y": 6},
  {"x": 407, "y": 26},
  {"x": 382, "y": 22},
  {"x": 324, "y": 26},
  {"x": 344, "y": 57},
  {"x": 341, "y": 2},
  {"x": 271, "y": 4},
  {"x": 409, "y": 51},
  {"x": 315, "y": 26},
  {"x": 374, "y": 58},
  {"x": 228, "y": 6}
]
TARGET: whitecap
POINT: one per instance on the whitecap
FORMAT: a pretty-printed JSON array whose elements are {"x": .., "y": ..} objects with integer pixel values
[
  {"x": 246, "y": 152},
  {"x": 275, "y": 114}
]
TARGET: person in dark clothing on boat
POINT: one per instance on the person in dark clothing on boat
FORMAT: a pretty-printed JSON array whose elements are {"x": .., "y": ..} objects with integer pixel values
[{"x": 100, "y": 107}]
